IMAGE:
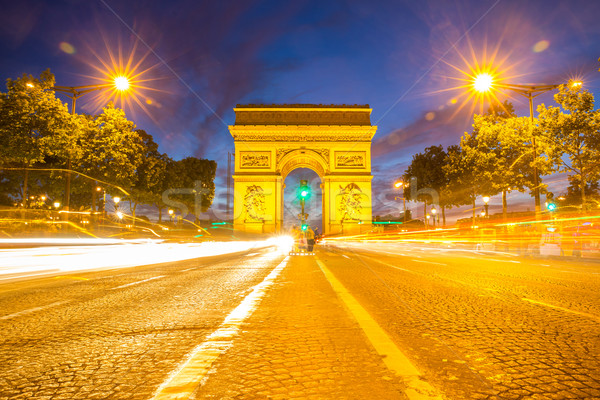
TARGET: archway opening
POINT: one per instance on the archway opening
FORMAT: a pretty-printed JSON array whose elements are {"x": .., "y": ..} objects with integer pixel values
[{"x": 291, "y": 199}]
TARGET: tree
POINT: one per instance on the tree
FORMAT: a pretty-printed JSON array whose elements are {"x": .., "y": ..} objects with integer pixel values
[
  {"x": 427, "y": 169},
  {"x": 149, "y": 173},
  {"x": 501, "y": 149},
  {"x": 32, "y": 123},
  {"x": 111, "y": 149},
  {"x": 572, "y": 137},
  {"x": 195, "y": 179},
  {"x": 465, "y": 180}
]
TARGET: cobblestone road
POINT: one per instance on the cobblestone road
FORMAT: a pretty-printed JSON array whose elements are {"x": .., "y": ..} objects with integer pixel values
[{"x": 475, "y": 327}]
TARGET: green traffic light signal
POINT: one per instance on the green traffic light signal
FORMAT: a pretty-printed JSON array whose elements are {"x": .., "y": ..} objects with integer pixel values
[
  {"x": 304, "y": 227},
  {"x": 551, "y": 206},
  {"x": 304, "y": 189}
]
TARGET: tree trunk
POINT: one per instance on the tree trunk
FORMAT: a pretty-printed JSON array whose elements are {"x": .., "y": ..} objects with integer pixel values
[
  {"x": 159, "y": 215},
  {"x": 94, "y": 197},
  {"x": 504, "y": 206},
  {"x": 135, "y": 204},
  {"x": 425, "y": 215},
  {"x": 25, "y": 182},
  {"x": 583, "y": 199},
  {"x": 473, "y": 212},
  {"x": 443, "y": 217}
]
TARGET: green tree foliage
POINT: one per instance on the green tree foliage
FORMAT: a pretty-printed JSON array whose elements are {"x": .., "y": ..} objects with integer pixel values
[
  {"x": 427, "y": 169},
  {"x": 111, "y": 149},
  {"x": 571, "y": 133},
  {"x": 33, "y": 123},
  {"x": 501, "y": 151},
  {"x": 150, "y": 173},
  {"x": 194, "y": 177}
]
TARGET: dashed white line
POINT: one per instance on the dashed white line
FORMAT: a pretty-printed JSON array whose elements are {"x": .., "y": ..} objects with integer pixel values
[
  {"x": 138, "y": 282},
  {"x": 31, "y": 310},
  {"x": 189, "y": 269},
  {"x": 428, "y": 262},
  {"x": 251, "y": 254},
  {"x": 343, "y": 255},
  {"x": 183, "y": 381}
]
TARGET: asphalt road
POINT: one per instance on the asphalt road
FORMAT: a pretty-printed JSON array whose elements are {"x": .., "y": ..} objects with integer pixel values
[{"x": 353, "y": 321}]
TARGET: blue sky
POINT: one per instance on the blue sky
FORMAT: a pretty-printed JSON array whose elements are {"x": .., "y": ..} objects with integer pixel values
[{"x": 205, "y": 57}]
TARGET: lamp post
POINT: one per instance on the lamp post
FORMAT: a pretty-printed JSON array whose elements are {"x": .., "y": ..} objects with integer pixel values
[
  {"x": 403, "y": 185},
  {"x": 434, "y": 212},
  {"x": 116, "y": 200},
  {"x": 486, "y": 200},
  {"x": 484, "y": 82},
  {"x": 56, "y": 207},
  {"x": 171, "y": 214},
  {"x": 119, "y": 83}
]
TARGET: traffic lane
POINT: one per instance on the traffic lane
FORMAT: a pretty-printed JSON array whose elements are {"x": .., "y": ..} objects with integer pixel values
[
  {"x": 470, "y": 341},
  {"x": 559, "y": 283},
  {"x": 43, "y": 261},
  {"x": 21, "y": 292},
  {"x": 102, "y": 339}
]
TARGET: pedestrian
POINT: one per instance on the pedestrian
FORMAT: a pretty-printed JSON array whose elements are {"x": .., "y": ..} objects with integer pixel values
[{"x": 310, "y": 239}]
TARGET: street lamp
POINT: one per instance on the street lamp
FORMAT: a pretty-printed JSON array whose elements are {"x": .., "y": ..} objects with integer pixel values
[
  {"x": 486, "y": 200},
  {"x": 116, "y": 200},
  {"x": 485, "y": 82},
  {"x": 120, "y": 83},
  {"x": 171, "y": 212},
  {"x": 403, "y": 185},
  {"x": 434, "y": 212}
]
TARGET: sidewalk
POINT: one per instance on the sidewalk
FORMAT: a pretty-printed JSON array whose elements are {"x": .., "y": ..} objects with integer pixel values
[{"x": 300, "y": 343}]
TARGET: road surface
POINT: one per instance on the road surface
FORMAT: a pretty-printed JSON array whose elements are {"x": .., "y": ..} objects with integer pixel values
[{"x": 352, "y": 322}]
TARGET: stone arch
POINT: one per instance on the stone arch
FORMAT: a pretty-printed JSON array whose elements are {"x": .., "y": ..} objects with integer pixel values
[
  {"x": 302, "y": 158},
  {"x": 271, "y": 141}
]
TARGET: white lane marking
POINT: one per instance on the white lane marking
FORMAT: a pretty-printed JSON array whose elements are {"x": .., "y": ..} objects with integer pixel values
[
  {"x": 189, "y": 269},
  {"x": 495, "y": 259},
  {"x": 592, "y": 316},
  {"x": 31, "y": 310},
  {"x": 343, "y": 255},
  {"x": 251, "y": 254},
  {"x": 138, "y": 282},
  {"x": 392, "y": 266},
  {"x": 393, "y": 358},
  {"x": 182, "y": 382},
  {"x": 428, "y": 262}
]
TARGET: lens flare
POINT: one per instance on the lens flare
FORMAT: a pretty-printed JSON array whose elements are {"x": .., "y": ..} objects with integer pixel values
[
  {"x": 483, "y": 82},
  {"x": 121, "y": 83}
]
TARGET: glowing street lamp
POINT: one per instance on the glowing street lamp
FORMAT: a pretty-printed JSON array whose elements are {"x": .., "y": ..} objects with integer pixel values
[
  {"x": 486, "y": 200},
  {"x": 403, "y": 185},
  {"x": 485, "y": 82},
  {"x": 171, "y": 212},
  {"x": 434, "y": 212}
]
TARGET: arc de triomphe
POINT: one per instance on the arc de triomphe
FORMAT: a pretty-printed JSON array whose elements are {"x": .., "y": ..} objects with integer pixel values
[{"x": 273, "y": 140}]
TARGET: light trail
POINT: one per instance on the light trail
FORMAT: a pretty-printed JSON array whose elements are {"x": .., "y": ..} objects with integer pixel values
[{"x": 70, "y": 255}]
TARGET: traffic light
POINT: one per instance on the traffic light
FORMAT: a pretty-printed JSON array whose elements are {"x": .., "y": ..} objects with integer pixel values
[
  {"x": 304, "y": 190},
  {"x": 550, "y": 204},
  {"x": 304, "y": 227}
]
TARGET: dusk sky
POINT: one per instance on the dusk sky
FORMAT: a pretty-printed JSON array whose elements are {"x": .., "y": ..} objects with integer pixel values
[{"x": 400, "y": 57}]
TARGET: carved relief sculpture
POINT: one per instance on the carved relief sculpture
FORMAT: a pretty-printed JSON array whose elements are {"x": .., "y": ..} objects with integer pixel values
[
  {"x": 255, "y": 159},
  {"x": 254, "y": 203},
  {"x": 350, "y": 205},
  {"x": 351, "y": 159}
]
